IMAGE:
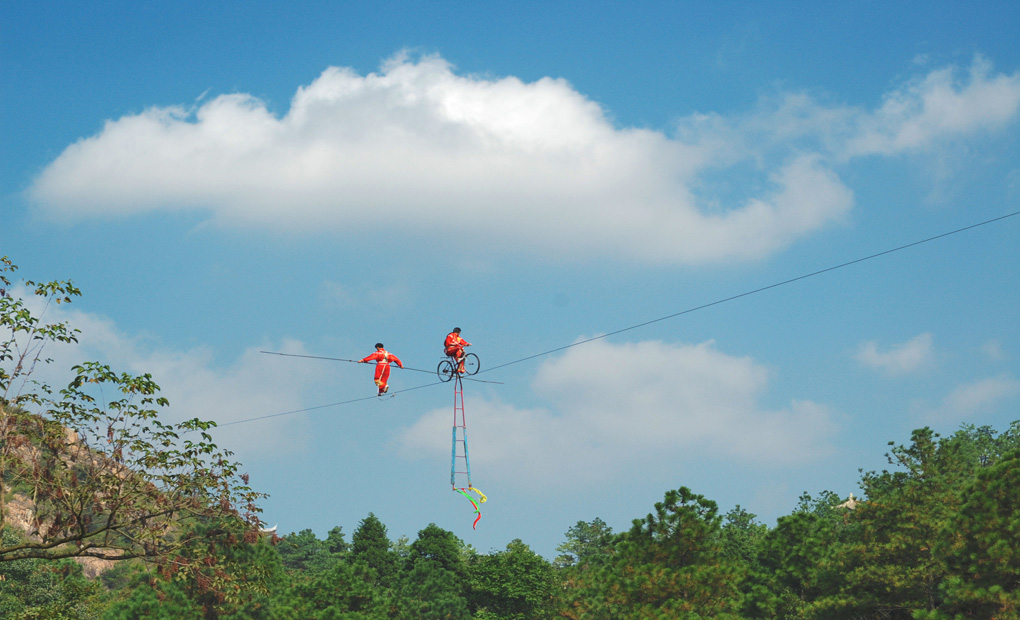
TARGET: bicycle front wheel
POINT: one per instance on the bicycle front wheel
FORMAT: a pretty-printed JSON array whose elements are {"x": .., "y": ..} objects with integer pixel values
[{"x": 471, "y": 364}]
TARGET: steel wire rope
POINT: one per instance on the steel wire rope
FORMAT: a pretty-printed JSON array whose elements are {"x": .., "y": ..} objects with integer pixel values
[
  {"x": 645, "y": 323},
  {"x": 752, "y": 292},
  {"x": 340, "y": 359},
  {"x": 346, "y": 402}
]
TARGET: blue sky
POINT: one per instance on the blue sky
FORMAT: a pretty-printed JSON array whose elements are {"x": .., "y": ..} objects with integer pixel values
[{"x": 226, "y": 179}]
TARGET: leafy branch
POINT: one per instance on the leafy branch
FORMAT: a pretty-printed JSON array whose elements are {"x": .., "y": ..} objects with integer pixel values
[{"x": 106, "y": 477}]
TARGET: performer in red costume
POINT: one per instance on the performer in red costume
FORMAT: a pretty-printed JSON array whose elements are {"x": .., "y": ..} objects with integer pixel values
[
  {"x": 455, "y": 348},
  {"x": 382, "y": 359}
]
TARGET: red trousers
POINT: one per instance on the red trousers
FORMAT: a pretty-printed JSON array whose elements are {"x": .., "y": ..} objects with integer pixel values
[{"x": 382, "y": 375}]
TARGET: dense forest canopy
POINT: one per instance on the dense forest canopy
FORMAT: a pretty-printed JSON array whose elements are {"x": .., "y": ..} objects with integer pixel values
[{"x": 936, "y": 536}]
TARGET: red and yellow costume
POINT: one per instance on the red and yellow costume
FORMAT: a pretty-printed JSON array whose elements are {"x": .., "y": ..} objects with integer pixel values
[
  {"x": 455, "y": 347},
  {"x": 382, "y": 359}
]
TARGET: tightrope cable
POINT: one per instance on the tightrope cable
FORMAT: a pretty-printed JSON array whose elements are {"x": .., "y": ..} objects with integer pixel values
[
  {"x": 638, "y": 325},
  {"x": 346, "y": 402},
  {"x": 752, "y": 292},
  {"x": 340, "y": 359}
]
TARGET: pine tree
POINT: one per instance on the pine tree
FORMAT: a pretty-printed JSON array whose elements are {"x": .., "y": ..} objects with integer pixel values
[
  {"x": 515, "y": 584},
  {"x": 982, "y": 547},
  {"x": 669, "y": 565},
  {"x": 369, "y": 544},
  {"x": 889, "y": 566}
]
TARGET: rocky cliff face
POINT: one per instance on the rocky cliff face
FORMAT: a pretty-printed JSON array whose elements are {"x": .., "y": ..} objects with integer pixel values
[
  {"x": 93, "y": 567},
  {"x": 20, "y": 511},
  {"x": 21, "y": 516}
]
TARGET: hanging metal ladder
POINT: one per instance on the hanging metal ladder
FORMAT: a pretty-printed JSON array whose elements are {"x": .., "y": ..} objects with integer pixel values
[{"x": 460, "y": 466}]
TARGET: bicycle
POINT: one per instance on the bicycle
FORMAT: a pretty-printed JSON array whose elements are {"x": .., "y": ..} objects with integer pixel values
[{"x": 448, "y": 367}]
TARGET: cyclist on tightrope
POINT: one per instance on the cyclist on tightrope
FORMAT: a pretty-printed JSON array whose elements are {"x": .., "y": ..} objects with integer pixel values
[{"x": 454, "y": 347}]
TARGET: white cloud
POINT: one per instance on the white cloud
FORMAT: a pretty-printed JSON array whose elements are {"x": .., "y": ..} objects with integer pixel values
[
  {"x": 994, "y": 351},
  {"x": 900, "y": 359},
  {"x": 937, "y": 106},
  {"x": 535, "y": 165},
  {"x": 968, "y": 400},
  {"x": 336, "y": 294},
  {"x": 648, "y": 403},
  {"x": 920, "y": 118},
  {"x": 419, "y": 146}
]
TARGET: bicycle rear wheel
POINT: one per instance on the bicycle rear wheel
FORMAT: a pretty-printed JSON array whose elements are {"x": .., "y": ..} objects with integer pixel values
[{"x": 445, "y": 370}]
